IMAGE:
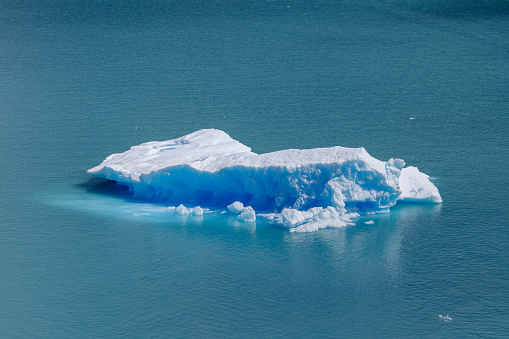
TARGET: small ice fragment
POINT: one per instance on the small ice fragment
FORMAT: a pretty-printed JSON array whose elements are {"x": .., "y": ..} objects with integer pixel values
[
  {"x": 181, "y": 209},
  {"x": 370, "y": 222},
  {"x": 412, "y": 118},
  {"x": 247, "y": 215},
  {"x": 171, "y": 208},
  {"x": 445, "y": 318},
  {"x": 197, "y": 210},
  {"x": 236, "y": 207}
]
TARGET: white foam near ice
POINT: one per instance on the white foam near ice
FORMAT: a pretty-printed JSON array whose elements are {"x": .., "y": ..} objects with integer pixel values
[{"x": 301, "y": 190}]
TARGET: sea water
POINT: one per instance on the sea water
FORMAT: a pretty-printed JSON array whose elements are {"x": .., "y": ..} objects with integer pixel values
[{"x": 425, "y": 81}]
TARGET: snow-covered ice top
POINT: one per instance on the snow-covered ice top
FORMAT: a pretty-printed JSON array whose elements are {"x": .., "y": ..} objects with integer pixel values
[
  {"x": 192, "y": 149},
  {"x": 211, "y": 150},
  {"x": 209, "y": 168}
]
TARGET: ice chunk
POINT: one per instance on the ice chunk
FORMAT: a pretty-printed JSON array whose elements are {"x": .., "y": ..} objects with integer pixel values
[
  {"x": 416, "y": 187},
  {"x": 292, "y": 217},
  {"x": 181, "y": 209},
  {"x": 247, "y": 215},
  {"x": 369, "y": 222},
  {"x": 197, "y": 210},
  {"x": 302, "y": 189},
  {"x": 324, "y": 218},
  {"x": 311, "y": 220},
  {"x": 445, "y": 318},
  {"x": 235, "y": 207}
]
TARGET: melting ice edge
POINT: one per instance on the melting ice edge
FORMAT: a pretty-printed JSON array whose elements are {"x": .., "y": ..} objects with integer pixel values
[{"x": 302, "y": 190}]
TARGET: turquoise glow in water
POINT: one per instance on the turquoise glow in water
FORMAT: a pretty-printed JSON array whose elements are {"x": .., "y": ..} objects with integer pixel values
[{"x": 82, "y": 80}]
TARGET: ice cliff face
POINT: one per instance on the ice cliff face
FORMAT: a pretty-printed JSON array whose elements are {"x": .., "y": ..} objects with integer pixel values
[{"x": 303, "y": 189}]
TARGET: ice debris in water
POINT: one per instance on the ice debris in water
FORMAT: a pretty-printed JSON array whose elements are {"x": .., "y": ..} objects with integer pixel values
[
  {"x": 247, "y": 215},
  {"x": 445, "y": 318},
  {"x": 302, "y": 190},
  {"x": 182, "y": 210},
  {"x": 369, "y": 222}
]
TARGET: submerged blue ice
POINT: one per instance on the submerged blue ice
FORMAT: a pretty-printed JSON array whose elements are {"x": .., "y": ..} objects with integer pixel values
[{"x": 302, "y": 190}]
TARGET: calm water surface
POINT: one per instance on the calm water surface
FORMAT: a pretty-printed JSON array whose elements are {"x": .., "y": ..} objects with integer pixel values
[{"x": 82, "y": 80}]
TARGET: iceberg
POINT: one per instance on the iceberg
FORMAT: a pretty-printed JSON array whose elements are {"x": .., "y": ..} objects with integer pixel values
[{"x": 301, "y": 190}]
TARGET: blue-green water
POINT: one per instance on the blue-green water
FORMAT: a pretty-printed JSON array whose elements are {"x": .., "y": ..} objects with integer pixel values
[{"x": 81, "y": 80}]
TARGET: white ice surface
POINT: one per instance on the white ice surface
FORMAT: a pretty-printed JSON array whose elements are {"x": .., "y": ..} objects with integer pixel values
[{"x": 303, "y": 190}]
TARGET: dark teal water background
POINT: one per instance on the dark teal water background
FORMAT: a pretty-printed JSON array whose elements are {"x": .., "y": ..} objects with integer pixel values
[{"x": 80, "y": 80}]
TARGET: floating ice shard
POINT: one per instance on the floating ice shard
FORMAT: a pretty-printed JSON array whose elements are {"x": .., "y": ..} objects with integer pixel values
[
  {"x": 197, "y": 210},
  {"x": 181, "y": 209},
  {"x": 247, "y": 215},
  {"x": 302, "y": 190},
  {"x": 445, "y": 318},
  {"x": 236, "y": 207}
]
